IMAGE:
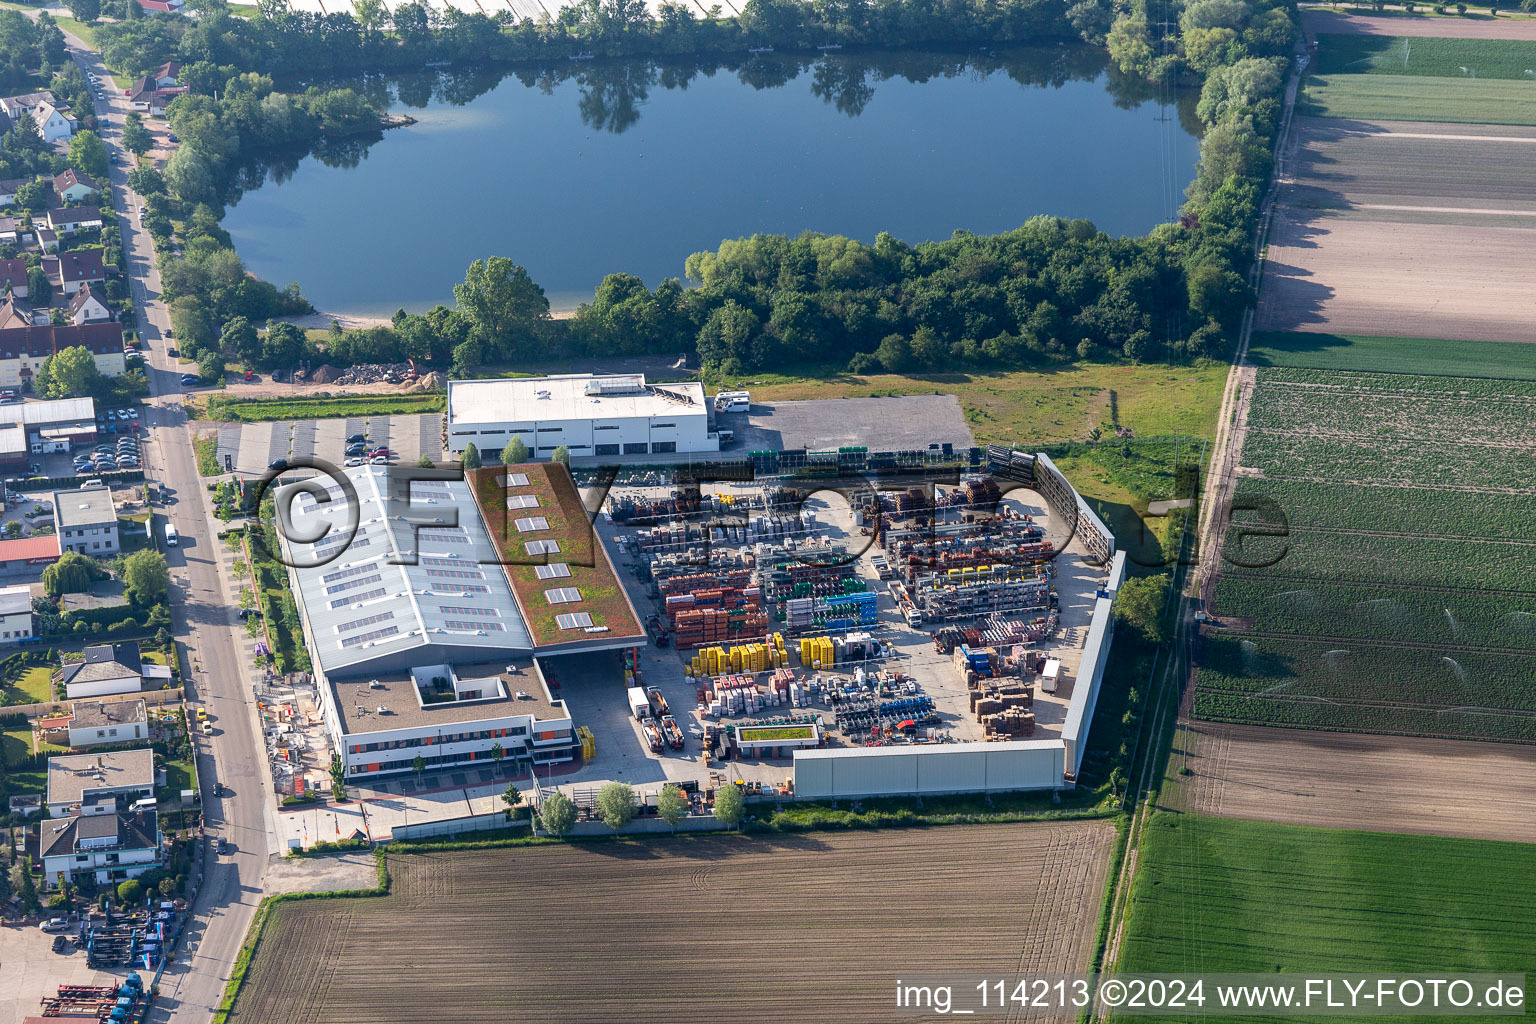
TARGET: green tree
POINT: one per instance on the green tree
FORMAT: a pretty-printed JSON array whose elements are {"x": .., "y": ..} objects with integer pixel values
[
  {"x": 146, "y": 577},
  {"x": 39, "y": 290},
  {"x": 73, "y": 573},
  {"x": 282, "y": 347},
  {"x": 1139, "y": 603},
  {"x": 11, "y": 530},
  {"x": 471, "y": 457},
  {"x": 210, "y": 367},
  {"x": 167, "y": 887},
  {"x": 419, "y": 766},
  {"x": 515, "y": 452},
  {"x": 188, "y": 174},
  {"x": 562, "y": 454},
  {"x": 557, "y": 814},
  {"x": 672, "y": 805},
  {"x": 84, "y": 10},
  {"x": 137, "y": 140},
  {"x": 130, "y": 893},
  {"x": 511, "y": 796},
  {"x": 241, "y": 341},
  {"x": 87, "y": 153},
  {"x": 730, "y": 805},
  {"x": 73, "y": 373},
  {"x": 504, "y": 303},
  {"x": 25, "y": 888},
  {"x": 425, "y": 462},
  {"x": 616, "y": 804},
  {"x": 34, "y": 196}
]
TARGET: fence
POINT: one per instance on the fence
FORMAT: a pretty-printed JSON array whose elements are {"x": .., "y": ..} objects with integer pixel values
[{"x": 151, "y": 697}]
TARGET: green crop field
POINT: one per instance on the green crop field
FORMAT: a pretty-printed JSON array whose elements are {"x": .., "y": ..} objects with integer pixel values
[
  {"x": 1430, "y": 57},
  {"x": 1214, "y": 894},
  {"x": 1414, "y": 511},
  {"x": 1347, "y": 686},
  {"x": 1455, "y": 619},
  {"x": 1399, "y": 98},
  {"x": 1405, "y": 561},
  {"x": 1498, "y": 359}
]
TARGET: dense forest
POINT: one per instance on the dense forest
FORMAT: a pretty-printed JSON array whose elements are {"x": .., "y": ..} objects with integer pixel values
[{"x": 1051, "y": 290}]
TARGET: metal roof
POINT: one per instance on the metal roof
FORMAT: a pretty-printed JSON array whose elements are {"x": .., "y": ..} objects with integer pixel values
[
  {"x": 570, "y": 397},
  {"x": 360, "y": 606},
  {"x": 64, "y": 410},
  {"x": 15, "y": 600}
]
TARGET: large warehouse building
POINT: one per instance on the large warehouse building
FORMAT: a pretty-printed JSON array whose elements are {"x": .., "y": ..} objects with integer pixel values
[
  {"x": 419, "y": 642},
  {"x": 592, "y": 416}
]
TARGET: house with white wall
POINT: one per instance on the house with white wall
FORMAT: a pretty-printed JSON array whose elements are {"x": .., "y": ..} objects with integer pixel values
[
  {"x": 15, "y": 614},
  {"x": 100, "y": 722},
  {"x": 111, "y": 777},
  {"x": 107, "y": 847},
  {"x": 107, "y": 669}
]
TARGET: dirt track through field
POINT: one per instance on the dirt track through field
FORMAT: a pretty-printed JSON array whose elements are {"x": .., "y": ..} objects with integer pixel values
[
  {"x": 710, "y": 929},
  {"x": 1315, "y": 21},
  {"x": 1341, "y": 780}
]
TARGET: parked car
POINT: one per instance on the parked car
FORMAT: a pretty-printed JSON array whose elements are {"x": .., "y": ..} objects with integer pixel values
[
  {"x": 356, "y": 449},
  {"x": 172, "y": 350},
  {"x": 55, "y": 924},
  {"x": 379, "y": 460},
  {"x": 357, "y": 460},
  {"x": 377, "y": 452},
  {"x": 356, "y": 438},
  {"x": 225, "y": 846},
  {"x": 60, "y": 944},
  {"x": 190, "y": 380},
  {"x": 278, "y": 464}
]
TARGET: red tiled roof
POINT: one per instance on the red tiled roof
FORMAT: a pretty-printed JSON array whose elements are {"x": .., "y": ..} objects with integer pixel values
[
  {"x": 14, "y": 271},
  {"x": 99, "y": 339},
  {"x": 81, "y": 265},
  {"x": 70, "y": 177},
  {"x": 28, "y": 548}
]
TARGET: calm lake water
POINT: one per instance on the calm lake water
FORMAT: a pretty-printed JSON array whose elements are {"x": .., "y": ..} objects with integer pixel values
[{"x": 589, "y": 169}]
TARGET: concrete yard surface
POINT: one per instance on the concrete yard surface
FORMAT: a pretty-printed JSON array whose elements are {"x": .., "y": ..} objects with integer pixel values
[
  {"x": 895, "y": 423},
  {"x": 30, "y": 970},
  {"x": 718, "y": 929}
]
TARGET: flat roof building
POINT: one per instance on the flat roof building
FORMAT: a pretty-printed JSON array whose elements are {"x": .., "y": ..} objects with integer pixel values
[
  {"x": 87, "y": 521},
  {"x": 592, "y": 416},
  {"x": 76, "y": 780}
]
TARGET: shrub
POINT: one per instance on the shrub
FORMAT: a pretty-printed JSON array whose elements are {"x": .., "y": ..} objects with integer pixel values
[{"x": 130, "y": 892}]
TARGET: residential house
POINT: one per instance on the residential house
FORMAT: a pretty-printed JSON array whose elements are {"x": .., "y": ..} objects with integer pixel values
[
  {"x": 107, "y": 669},
  {"x": 87, "y": 780},
  {"x": 11, "y": 231},
  {"x": 15, "y": 614},
  {"x": 108, "y": 847},
  {"x": 101, "y": 722},
  {"x": 15, "y": 312},
  {"x": 27, "y": 556},
  {"x": 161, "y": 6},
  {"x": 10, "y": 186},
  {"x": 70, "y": 220},
  {"x": 74, "y": 187},
  {"x": 53, "y": 119},
  {"x": 70, "y": 270},
  {"x": 13, "y": 276},
  {"x": 87, "y": 521},
  {"x": 154, "y": 92},
  {"x": 23, "y": 349},
  {"x": 86, "y": 308},
  {"x": 47, "y": 238}
]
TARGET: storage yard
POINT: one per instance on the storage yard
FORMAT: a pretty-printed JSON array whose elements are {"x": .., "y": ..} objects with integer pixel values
[
  {"x": 790, "y": 620},
  {"x": 713, "y": 929}
]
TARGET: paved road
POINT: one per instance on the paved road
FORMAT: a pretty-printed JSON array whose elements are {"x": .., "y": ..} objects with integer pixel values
[{"x": 204, "y": 617}]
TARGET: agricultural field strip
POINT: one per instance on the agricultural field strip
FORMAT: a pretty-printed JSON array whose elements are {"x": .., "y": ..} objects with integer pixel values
[
  {"x": 1321, "y": 21},
  {"x": 1386, "y": 511},
  {"x": 1216, "y": 894},
  {"x": 1358, "y": 54},
  {"x": 1419, "y": 98},
  {"x": 1416, "y": 357},
  {"x": 1333, "y": 780},
  {"x": 547, "y": 933}
]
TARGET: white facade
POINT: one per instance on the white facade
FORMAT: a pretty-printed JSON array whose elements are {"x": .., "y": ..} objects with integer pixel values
[
  {"x": 929, "y": 770},
  {"x": 107, "y": 847},
  {"x": 381, "y": 726},
  {"x": 102, "y": 723},
  {"x": 87, "y": 521},
  {"x": 52, "y": 123},
  {"x": 15, "y": 614},
  {"x": 592, "y": 416}
]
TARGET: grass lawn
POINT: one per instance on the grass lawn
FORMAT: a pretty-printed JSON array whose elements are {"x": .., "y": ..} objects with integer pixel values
[
  {"x": 1029, "y": 407},
  {"x": 178, "y": 776},
  {"x": 154, "y": 657},
  {"x": 33, "y": 686},
  {"x": 1442, "y": 58},
  {"x": 258, "y": 410},
  {"x": 206, "y": 447},
  {"x": 1497, "y": 359},
  {"x": 26, "y": 782},
  {"x": 1399, "y": 98},
  {"x": 1213, "y": 894},
  {"x": 17, "y": 743}
]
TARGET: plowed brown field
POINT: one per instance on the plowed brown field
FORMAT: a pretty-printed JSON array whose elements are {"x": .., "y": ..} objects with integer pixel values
[
  {"x": 713, "y": 929},
  {"x": 1337, "y": 780},
  {"x": 1315, "y": 21}
]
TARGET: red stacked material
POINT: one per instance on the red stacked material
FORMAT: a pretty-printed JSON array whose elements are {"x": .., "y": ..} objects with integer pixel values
[
  {"x": 677, "y": 585},
  {"x": 709, "y": 627}
]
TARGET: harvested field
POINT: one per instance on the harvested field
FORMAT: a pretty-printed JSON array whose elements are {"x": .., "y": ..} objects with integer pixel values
[
  {"x": 709, "y": 929},
  {"x": 1403, "y": 98},
  {"x": 1212, "y": 894},
  {"x": 1328, "y": 779},
  {"x": 1343, "y": 273},
  {"x": 1318, "y": 21}
]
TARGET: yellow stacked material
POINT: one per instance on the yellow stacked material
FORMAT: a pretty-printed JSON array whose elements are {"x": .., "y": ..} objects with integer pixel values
[{"x": 588, "y": 742}]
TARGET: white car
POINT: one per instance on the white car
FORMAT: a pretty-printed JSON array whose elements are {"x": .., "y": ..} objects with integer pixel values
[
  {"x": 357, "y": 460},
  {"x": 379, "y": 460}
]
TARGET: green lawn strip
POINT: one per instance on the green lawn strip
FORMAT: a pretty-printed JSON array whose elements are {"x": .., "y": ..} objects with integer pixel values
[
  {"x": 261, "y": 410},
  {"x": 1500, "y": 359},
  {"x": 1352, "y": 54},
  {"x": 33, "y": 686},
  {"x": 206, "y": 447},
  {"x": 1400, "y": 98},
  {"x": 17, "y": 743},
  {"x": 1220, "y": 895},
  {"x": 1415, "y": 511}
]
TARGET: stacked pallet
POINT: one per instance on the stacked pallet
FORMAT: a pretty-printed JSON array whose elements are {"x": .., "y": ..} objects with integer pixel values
[
  {"x": 1008, "y": 724},
  {"x": 704, "y": 627}
]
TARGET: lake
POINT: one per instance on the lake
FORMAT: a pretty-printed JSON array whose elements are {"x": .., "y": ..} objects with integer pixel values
[{"x": 601, "y": 167}]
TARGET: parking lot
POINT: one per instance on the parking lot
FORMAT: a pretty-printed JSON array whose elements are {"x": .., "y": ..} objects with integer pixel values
[
  {"x": 252, "y": 447},
  {"x": 881, "y": 424},
  {"x": 30, "y": 970}
]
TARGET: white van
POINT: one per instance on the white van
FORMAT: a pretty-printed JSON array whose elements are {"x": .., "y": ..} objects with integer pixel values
[
  {"x": 171, "y": 537},
  {"x": 733, "y": 401}
]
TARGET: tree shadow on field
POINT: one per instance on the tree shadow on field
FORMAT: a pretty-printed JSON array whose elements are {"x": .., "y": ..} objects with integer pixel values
[{"x": 715, "y": 846}]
